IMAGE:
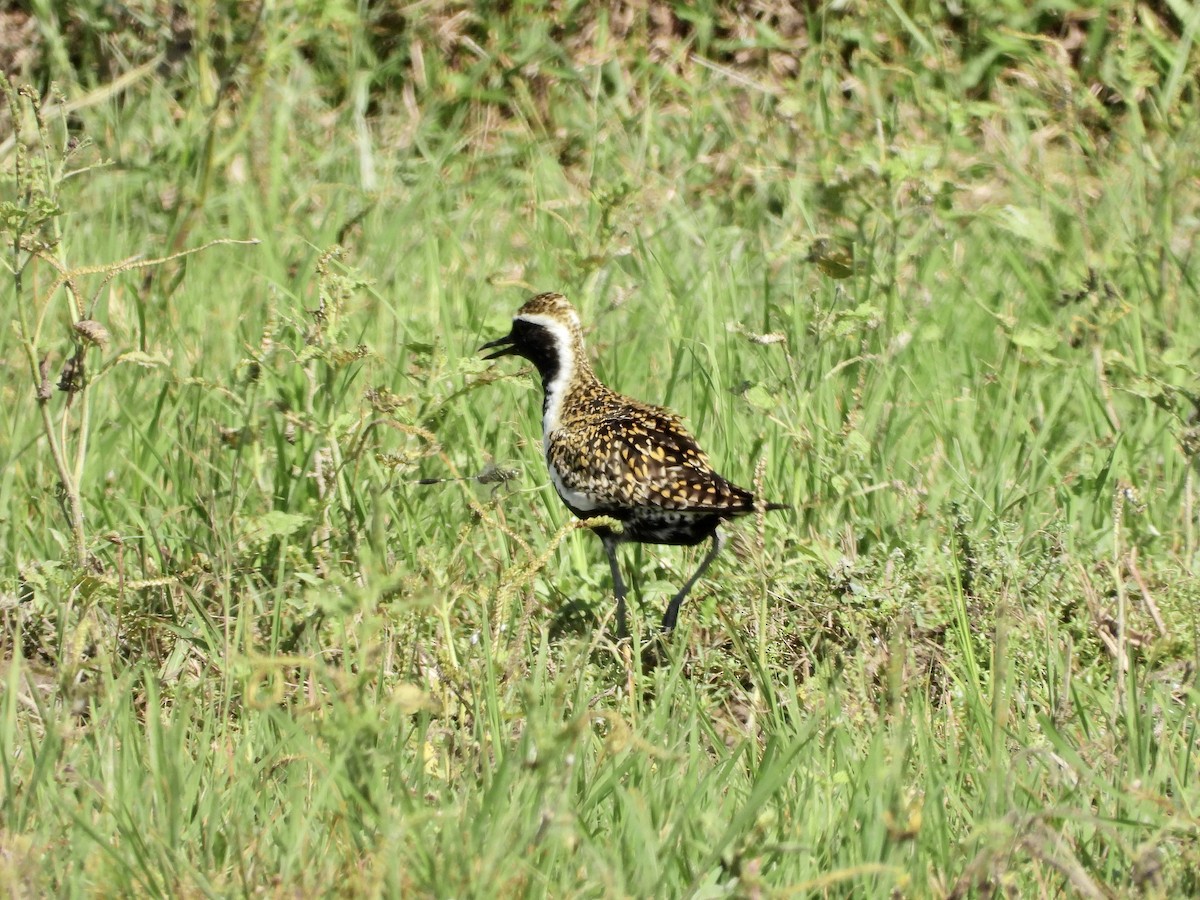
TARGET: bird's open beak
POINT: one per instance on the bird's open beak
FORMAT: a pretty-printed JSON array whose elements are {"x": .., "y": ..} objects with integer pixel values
[{"x": 505, "y": 345}]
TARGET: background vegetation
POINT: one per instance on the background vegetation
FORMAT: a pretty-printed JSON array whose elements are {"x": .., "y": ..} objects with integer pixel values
[{"x": 288, "y": 604}]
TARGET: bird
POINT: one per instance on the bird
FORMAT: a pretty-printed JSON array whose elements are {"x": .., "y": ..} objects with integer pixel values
[{"x": 609, "y": 455}]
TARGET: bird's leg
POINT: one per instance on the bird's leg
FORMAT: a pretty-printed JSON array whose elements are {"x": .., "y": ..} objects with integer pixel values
[
  {"x": 610, "y": 547},
  {"x": 668, "y": 622}
]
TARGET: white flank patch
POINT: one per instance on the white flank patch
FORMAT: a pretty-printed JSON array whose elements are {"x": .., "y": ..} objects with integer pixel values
[
  {"x": 571, "y": 497},
  {"x": 558, "y": 387}
]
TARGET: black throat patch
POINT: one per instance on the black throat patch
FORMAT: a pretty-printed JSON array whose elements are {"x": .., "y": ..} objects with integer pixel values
[{"x": 538, "y": 345}]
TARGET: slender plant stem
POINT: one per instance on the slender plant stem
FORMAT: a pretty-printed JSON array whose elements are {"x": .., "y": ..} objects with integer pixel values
[{"x": 30, "y": 339}]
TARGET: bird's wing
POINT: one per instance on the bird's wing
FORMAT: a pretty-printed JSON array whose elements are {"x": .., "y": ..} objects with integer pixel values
[{"x": 645, "y": 460}]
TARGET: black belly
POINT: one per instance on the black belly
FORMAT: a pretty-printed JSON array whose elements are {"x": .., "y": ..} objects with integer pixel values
[{"x": 656, "y": 526}]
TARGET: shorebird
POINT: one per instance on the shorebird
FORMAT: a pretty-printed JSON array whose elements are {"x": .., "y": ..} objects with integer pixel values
[{"x": 609, "y": 455}]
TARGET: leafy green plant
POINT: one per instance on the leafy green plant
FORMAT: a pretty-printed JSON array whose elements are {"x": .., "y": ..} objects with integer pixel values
[{"x": 61, "y": 312}]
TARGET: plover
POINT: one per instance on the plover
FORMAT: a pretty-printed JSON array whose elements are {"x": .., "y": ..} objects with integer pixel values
[{"x": 609, "y": 455}]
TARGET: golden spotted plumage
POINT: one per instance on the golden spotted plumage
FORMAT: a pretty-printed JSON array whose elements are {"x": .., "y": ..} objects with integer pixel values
[
  {"x": 609, "y": 455},
  {"x": 628, "y": 456}
]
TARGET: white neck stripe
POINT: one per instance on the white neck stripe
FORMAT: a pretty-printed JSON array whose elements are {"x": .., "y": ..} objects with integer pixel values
[{"x": 557, "y": 387}]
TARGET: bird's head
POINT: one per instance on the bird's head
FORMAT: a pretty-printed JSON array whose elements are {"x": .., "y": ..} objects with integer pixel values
[{"x": 546, "y": 332}]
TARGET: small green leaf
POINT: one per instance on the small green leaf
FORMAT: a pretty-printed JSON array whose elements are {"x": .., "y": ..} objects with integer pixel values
[
  {"x": 857, "y": 444},
  {"x": 863, "y": 317},
  {"x": 473, "y": 365},
  {"x": 274, "y": 524},
  {"x": 760, "y": 398},
  {"x": 1037, "y": 339},
  {"x": 1176, "y": 357},
  {"x": 1036, "y": 344}
]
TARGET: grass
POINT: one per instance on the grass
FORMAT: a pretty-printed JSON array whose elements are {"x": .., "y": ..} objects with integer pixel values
[{"x": 321, "y": 625}]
